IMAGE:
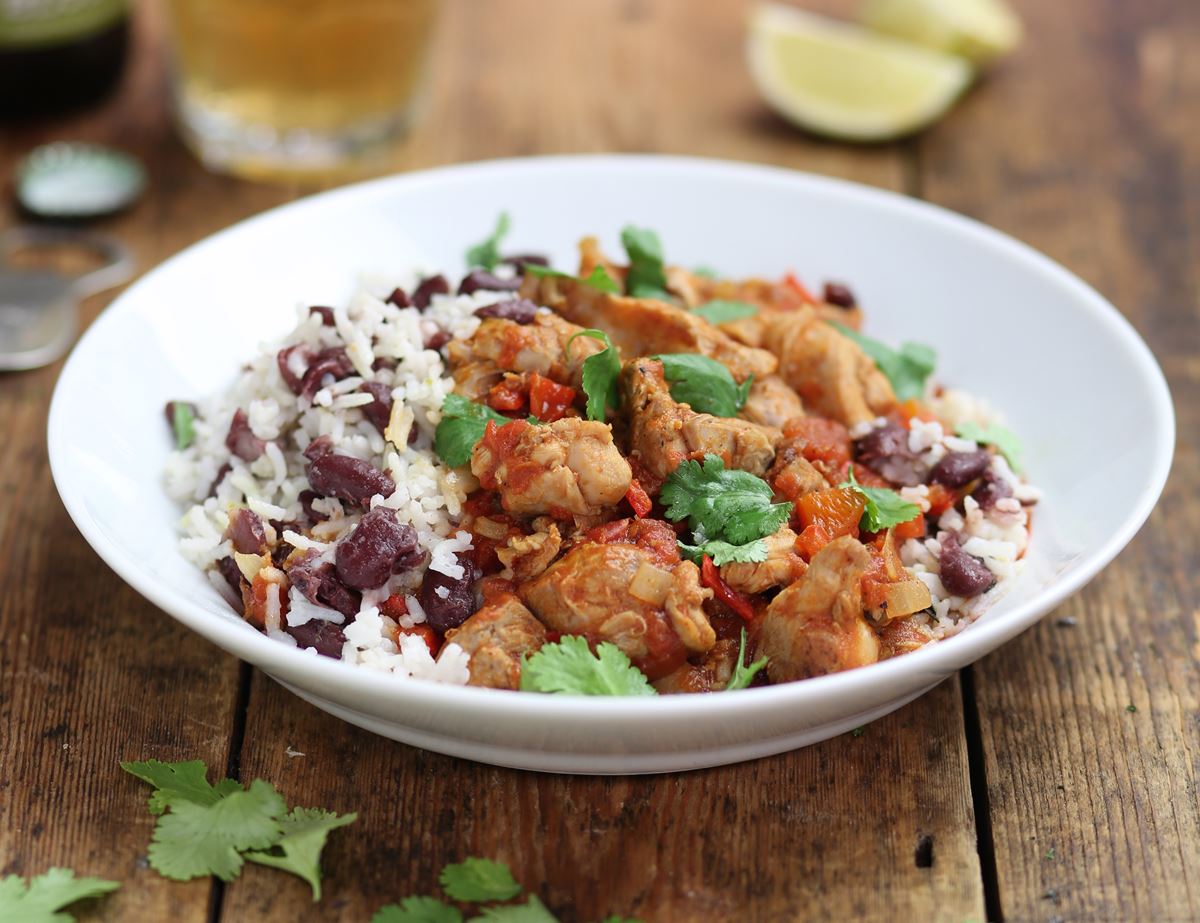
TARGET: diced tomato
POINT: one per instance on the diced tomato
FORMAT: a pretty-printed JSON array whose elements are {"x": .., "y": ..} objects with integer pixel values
[
  {"x": 941, "y": 498},
  {"x": 914, "y": 528},
  {"x": 798, "y": 287},
  {"x": 738, "y": 602},
  {"x": 837, "y": 510},
  {"x": 639, "y": 500},
  {"x": 666, "y": 652},
  {"x": 818, "y": 439},
  {"x": 507, "y": 396},
  {"x": 913, "y": 409},
  {"x": 394, "y": 606},
  {"x": 500, "y": 441},
  {"x": 431, "y": 638},
  {"x": 811, "y": 540},
  {"x": 548, "y": 400}
]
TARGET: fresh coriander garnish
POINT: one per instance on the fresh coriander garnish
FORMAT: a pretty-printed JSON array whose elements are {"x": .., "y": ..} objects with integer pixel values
[
  {"x": 600, "y": 373},
  {"x": 719, "y": 311},
  {"x": 723, "y": 553},
  {"x": 884, "y": 507},
  {"x": 479, "y": 880},
  {"x": 463, "y": 424},
  {"x": 705, "y": 272},
  {"x": 906, "y": 368},
  {"x": 568, "y": 665},
  {"x": 183, "y": 420},
  {"x": 704, "y": 384},
  {"x": 599, "y": 278},
  {"x": 1004, "y": 439},
  {"x": 486, "y": 254},
  {"x": 47, "y": 894},
  {"x": 734, "y": 506},
  {"x": 212, "y": 829},
  {"x": 646, "y": 277},
  {"x": 743, "y": 675}
]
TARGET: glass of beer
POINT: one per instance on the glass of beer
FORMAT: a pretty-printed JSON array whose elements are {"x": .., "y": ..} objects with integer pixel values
[{"x": 295, "y": 89}]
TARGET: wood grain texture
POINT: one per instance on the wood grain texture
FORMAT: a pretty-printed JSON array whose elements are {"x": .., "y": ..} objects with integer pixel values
[{"x": 1088, "y": 147}]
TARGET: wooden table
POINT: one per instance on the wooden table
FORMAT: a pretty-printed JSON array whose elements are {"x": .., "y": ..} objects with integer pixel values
[{"x": 1055, "y": 779}]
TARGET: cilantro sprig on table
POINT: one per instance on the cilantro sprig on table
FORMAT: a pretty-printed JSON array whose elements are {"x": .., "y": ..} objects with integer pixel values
[
  {"x": 1004, "y": 439},
  {"x": 883, "y": 509},
  {"x": 721, "y": 311},
  {"x": 43, "y": 899},
  {"x": 462, "y": 425},
  {"x": 647, "y": 278},
  {"x": 704, "y": 384},
  {"x": 486, "y": 253},
  {"x": 600, "y": 373},
  {"x": 568, "y": 665},
  {"x": 208, "y": 829},
  {"x": 732, "y": 506},
  {"x": 906, "y": 368}
]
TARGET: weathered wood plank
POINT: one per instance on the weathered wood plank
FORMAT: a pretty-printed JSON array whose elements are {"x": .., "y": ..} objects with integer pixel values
[{"x": 1087, "y": 146}]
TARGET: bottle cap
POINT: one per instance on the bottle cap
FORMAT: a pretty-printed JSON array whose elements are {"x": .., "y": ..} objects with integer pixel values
[{"x": 69, "y": 179}]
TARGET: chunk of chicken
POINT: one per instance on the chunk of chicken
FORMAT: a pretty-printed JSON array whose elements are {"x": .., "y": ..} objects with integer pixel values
[
  {"x": 627, "y": 595},
  {"x": 771, "y": 402},
  {"x": 831, "y": 374},
  {"x": 497, "y": 637},
  {"x": 711, "y": 674},
  {"x": 900, "y": 636},
  {"x": 501, "y": 345},
  {"x": 816, "y": 625},
  {"x": 526, "y": 556},
  {"x": 663, "y": 432},
  {"x": 793, "y": 475},
  {"x": 644, "y": 326},
  {"x": 783, "y": 566},
  {"x": 566, "y": 468}
]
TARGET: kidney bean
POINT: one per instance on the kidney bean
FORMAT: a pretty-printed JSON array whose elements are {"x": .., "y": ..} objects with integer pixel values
[
  {"x": 322, "y": 445},
  {"x": 321, "y": 586},
  {"x": 481, "y": 280},
  {"x": 282, "y": 550},
  {"x": 326, "y": 315},
  {"x": 438, "y": 340},
  {"x": 348, "y": 479},
  {"x": 233, "y": 576},
  {"x": 519, "y": 261},
  {"x": 221, "y": 472},
  {"x": 885, "y": 451},
  {"x": 284, "y": 360},
  {"x": 399, "y": 297},
  {"x": 246, "y": 532},
  {"x": 332, "y": 361},
  {"x": 839, "y": 295},
  {"x": 518, "y": 310},
  {"x": 383, "y": 362},
  {"x": 957, "y": 469},
  {"x": 326, "y": 637},
  {"x": 241, "y": 441},
  {"x": 991, "y": 489},
  {"x": 423, "y": 294},
  {"x": 445, "y": 612},
  {"x": 379, "y": 411},
  {"x": 963, "y": 574},
  {"x": 306, "y": 499},
  {"x": 367, "y": 556}
]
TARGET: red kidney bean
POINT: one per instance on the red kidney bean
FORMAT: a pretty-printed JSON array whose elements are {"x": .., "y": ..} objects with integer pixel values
[
  {"x": 320, "y": 585},
  {"x": 233, "y": 576},
  {"x": 991, "y": 489},
  {"x": 306, "y": 499},
  {"x": 450, "y": 611},
  {"x": 282, "y": 550},
  {"x": 367, "y": 556},
  {"x": 379, "y": 411},
  {"x": 241, "y": 441},
  {"x": 383, "y": 362},
  {"x": 348, "y": 479},
  {"x": 481, "y": 280},
  {"x": 326, "y": 315},
  {"x": 284, "y": 360},
  {"x": 434, "y": 285},
  {"x": 839, "y": 295},
  {"x": 322, "y": 445},
  {"x": 963, "y": 574},
  {"x": 332, "y": 361},
  {"x": 246, "y": 532},
  {"x": 325, "y": 637},
  {"x": 957, "y": 469},
  {"x": 518, "y": 310},
  {"x": 438, "y": 339},
  {"x": 519, "y": 261},
  {"x": 399, "y": 297},
  {"x": 885, "y": 451},
  {"x": 221, "y": 472}
]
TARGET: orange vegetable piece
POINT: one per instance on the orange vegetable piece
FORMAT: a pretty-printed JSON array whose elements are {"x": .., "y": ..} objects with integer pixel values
[{"x": 548, "y": 400}]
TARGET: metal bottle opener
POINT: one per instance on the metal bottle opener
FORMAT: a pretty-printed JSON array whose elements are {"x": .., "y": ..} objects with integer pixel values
[{"x": 39, "y": 308}]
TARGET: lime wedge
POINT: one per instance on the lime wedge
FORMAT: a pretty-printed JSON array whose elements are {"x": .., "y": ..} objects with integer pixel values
[
  {"x": 980, "y": 30},
  {"x": 842, "y": 80}
]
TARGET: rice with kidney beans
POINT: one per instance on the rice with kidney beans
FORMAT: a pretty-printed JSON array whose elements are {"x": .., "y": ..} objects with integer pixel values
[{"x": 261, "y": 465}]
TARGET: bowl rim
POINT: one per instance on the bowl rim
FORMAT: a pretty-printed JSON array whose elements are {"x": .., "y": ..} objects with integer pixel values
[{"x": 937, "y": 659}]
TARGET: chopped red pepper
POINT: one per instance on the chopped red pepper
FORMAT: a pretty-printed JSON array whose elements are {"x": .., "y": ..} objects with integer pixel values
[
  {"x": 548, "y": 400},
  {"x": 431, "y": 638},
  {"x": 914, "y": 528},
  {"x": 507, "y": 396},
  {"x": 394, "y": 606},
  {"x": 639, "y": 500},
  {"x": 797, "y": 286},
  {"x": 711, "y": 578}
]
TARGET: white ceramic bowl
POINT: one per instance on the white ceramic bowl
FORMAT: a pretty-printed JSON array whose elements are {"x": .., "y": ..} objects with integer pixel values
[{"x": 1072, "y": 377}]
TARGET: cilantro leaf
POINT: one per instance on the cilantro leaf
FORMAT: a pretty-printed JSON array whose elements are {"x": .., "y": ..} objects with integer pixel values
[
  {"x": 907, "y": 369},
  {"x": 178, "y": 782},
  {"x": 704, "y": 384},
  {"x": 646, "y": 277},
  {"x": 884, "y": 508},
  {"x": 532, "y": 911},
  {"x": 706, "y": 272},
  {"x": 299, "y": 849},
  {"x": 183, "y": 420},
  {"x": 742, "y": 674},
  {"x": 719, "y": 311},
  {"x": 724, "y": 553},
  {"x": 600, "y": 373},
  {"x": 463, "y": 424},
  {"x": 195, "y": 839},
  {"x": 568, "y": 665},
  {"x": 39, "y": 901},
  {"x": 417, "y": 910},
  {"x": 486, "y": 254},
  {"x": 1004, "y": 439},
  {"x": 599, "y": 278},
  {"x": 731, "y": 505},
  {"x": 479, "y": 880}
]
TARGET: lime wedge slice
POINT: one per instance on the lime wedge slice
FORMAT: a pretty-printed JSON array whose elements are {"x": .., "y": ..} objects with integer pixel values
[
  {"x": 842, "y": 80},
  {"x": 980, "y": 30}
]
